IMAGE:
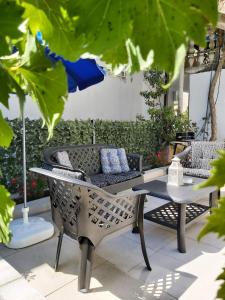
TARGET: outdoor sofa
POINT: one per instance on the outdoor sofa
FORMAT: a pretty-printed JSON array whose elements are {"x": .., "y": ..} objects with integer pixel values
[
  {"x": 86, "y": 163},
  {"x": 196, "y": 158}
]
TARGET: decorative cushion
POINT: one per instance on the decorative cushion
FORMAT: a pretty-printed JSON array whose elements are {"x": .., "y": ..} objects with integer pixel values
[
  {"x": 63, "y": 159},
  {"x": 102, "y": 180},
  {"x": 203, "y": 153},
  {"x": 114, "y": 161},
  {"x": 123, "y": 160}
]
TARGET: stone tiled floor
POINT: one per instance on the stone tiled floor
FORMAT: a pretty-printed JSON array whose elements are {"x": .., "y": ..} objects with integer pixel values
[{"x": 119, "y": 271}]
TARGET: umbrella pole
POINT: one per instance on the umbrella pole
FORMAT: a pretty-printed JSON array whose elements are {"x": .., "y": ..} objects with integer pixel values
[
  {"x": 28, "y": 232},
  {"x": 25, "y": 209}
]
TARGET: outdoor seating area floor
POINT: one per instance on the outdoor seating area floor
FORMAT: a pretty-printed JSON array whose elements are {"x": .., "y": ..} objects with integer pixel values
[{"x": 119, "y": 269}]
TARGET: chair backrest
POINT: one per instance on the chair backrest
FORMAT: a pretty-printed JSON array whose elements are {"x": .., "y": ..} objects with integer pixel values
[
  {"x": 84, "y": 157},
  {"x": 203, "y": 153},
  {"x": 81, "y": 209}
]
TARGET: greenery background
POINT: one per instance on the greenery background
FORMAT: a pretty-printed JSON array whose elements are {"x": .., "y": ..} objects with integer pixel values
[{"x": 141, "y": 136}]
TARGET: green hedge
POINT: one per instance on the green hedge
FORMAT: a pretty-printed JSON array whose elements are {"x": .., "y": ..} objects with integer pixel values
[
  {"x": 135, "y": 136},
  {"x": 66, "y": 132}
]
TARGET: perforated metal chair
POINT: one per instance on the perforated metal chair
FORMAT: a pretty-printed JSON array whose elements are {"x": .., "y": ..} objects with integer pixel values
[{"x": 88, "y": 214}]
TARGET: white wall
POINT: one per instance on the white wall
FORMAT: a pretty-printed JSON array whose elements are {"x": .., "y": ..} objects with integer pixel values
[
  {"x": 112, "y": 99},
  {"x": 199, "y": 87}
]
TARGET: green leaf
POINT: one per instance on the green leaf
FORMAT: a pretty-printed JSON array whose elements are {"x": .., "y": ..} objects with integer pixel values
[
  {"x": 216, "y": 221},
  {"x": 34, "y": 56},
  {"x": 8, "y": 82},
  {"x": 180, "y": 56},
  {"x": 105, "y": 27},
  {"x": 58, "y": 30},
  {"x": 6, "y": 212},
  {"x": 6, "y": 133},
  {"x": 5, "y": 88},
  {"x": 10, "y": 19},
  {"x": 217, "y": 177},
  {"x": 221, "y": 291},
  {"x": 49, "y": 89}
]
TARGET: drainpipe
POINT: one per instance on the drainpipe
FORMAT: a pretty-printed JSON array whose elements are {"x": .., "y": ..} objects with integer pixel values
[
  {"x": 93, "y": 132},
  {"x": 181, "y": 89}
]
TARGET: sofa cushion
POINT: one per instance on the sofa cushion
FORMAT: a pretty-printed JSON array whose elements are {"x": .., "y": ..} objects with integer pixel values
[
  {"x": 114, "y": 161},
  {"x": 63, "y": 159},
  {"x": 102, "y": 180},
  {"x": 203, "y": 153}
]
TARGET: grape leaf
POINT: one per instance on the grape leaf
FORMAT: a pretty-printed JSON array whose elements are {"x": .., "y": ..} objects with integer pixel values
[
  {"x": 8, "y": 82},
  {"x": 216, "y": 221},
  {"x": 6, "y": 133},
  {"x": 6, "y": 211},
  {"x": 50, "y": 17},
  {"x": 5, "y": 88},
  {"x": 49, "y": 89},
  {"x": 105, "y": 27},
  {"x": 217, "y": 177},
  {"x": 10, "y": 19},
  {"x": 34, "y": 56},
  {"x": 221, "y": 291}
]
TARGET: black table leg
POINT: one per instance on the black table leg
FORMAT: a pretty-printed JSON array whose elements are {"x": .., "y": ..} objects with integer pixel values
[
  {"x": 213, "y": 199},
  {"x": 181, "y": 223},
  {"x": 174, "y": 149}
]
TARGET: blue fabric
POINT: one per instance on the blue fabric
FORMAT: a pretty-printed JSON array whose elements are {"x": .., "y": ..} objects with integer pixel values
[
  {"x": 114, "y": 161},
  {"x": 81, "y": 73}
]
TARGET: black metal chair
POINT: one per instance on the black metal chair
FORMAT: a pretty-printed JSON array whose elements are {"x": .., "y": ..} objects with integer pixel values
[{"x": 87, "y": 214}]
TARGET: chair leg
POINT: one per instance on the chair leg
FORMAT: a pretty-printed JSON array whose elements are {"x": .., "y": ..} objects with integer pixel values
[
  {"x": 141, "y": 231},
  {"x": 87, "y": 254},
  {"x": 60, "y": 237}
]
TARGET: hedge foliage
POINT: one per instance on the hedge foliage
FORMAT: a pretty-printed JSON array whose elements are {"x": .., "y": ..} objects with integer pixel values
[{"x": 135, "y": 136}]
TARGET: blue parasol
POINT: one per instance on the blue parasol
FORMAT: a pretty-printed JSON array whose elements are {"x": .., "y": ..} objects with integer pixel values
[{"x": 81, "y": 74}]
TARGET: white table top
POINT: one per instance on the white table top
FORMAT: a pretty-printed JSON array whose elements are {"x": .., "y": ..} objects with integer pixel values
[{"x": 179, "y": 194}]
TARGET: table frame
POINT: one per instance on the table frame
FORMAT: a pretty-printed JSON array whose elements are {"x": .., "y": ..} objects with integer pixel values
[{"x": 182, "y": 216}]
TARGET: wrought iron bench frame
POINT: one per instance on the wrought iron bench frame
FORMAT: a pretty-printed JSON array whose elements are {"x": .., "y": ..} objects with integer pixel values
[{"x": 82, "y": 155}]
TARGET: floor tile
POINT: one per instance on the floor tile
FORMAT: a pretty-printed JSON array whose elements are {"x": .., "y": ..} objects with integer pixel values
[
  {"x": 7, "y": 273},
  {"x": 19, "y": 290},
  {"x": 211, "y": 238},
  {"x": 109, "y": 283},
  {"x": 161, "y": 279},
  {"x": 36, "y": 264},
  {"x": 155, "y": 236},
  {"x": 206, "y": 268},
  {"x": 122, "y": 252},
  {"x": 4, "y": 251},
  {"x": 194, "y": 249}
]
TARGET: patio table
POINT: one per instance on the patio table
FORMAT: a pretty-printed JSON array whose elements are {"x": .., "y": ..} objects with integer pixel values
[{"x": 182, "y": 208}]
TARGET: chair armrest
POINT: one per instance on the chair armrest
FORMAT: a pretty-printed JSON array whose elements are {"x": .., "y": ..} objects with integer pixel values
[
  {"x": 59, "y": 176},
  {"x": 184, "y": 157},
  {"x": 184, "y": 153},
  {"x": 135, "y": 161},
  {"x": 58, "y": 166},
  {"x": 133, "y": 193}
]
